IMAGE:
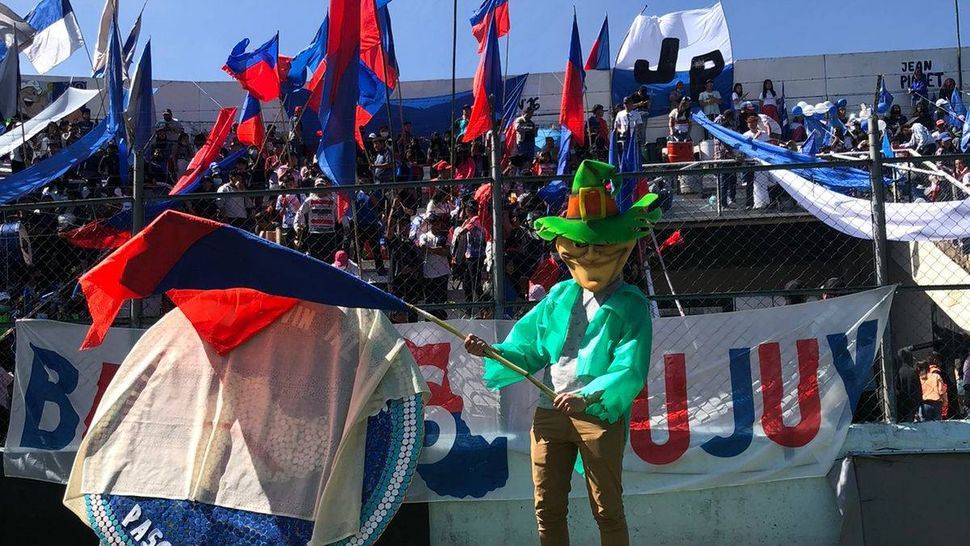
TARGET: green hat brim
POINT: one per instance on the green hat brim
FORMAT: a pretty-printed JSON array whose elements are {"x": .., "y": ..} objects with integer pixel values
[{"x": 632, "y": 224}]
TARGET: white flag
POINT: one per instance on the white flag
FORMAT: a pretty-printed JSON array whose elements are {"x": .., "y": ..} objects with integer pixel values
[{"x": 104, "y": 29}]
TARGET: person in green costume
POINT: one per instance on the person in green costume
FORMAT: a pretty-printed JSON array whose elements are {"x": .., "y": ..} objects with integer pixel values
[{"x": 592, "y": 335}]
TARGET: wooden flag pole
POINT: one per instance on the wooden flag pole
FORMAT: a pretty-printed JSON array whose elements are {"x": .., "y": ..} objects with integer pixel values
[{"x": 490, "y": 352}]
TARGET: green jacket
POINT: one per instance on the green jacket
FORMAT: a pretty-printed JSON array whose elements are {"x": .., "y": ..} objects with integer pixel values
[{"x": 615, "y": 350}]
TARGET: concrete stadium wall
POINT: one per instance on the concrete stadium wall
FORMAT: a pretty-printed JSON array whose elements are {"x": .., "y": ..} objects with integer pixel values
[{"x": 788, "y": 512}]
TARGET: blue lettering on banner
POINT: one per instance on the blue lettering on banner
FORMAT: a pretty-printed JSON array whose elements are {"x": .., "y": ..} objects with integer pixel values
[
  {"x": 742, "y": 393},
  {"x": 854, "y": 376},
  {"x": 40, "y": 391}
]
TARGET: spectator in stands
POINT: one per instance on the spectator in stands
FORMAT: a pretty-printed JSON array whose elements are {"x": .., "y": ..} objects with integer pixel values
[
  {"x": 794, "y": 299},
  {"x": 727, "y": 183},
  {"x": 383, "y": 168},
  {"x": 933, "y": 391},
  {"x": 167, "y": 131},
  {"x": 755, "y": 130},
  {"x": 288, "y": 206},
  {"x": 677, "y": 94},
  {"x": 525, "y": 136},
  {"x": 316, "y": 223},
  {"x": 543, "y": 165},
  {"x": 797, "y": 128},
  {"x": 596, "y": 125},
  {"x": 768, "y": 101},
  {"x": 710, "y": 100},
  {"x": 946, "y": 90},
  {"x": 436, "y": 267},
  {"x": 678, "y": 121},
  {"x": 626, "y": 120},
  {"x": 468, "y": 252},
  {"x": 918, "y": 88},
  {"x": 830, "y": 288},
  {"x": 366, "y": 229},
  {"x": 343, "y": 262},
  {"x": 462, "y": 122},
  {"x": 737, "y": 97},
  {"x": 895, "y": 122},
  {"x": 84, "y": 125},
  {"x": 920, "y": 140},
  {"x": 235, "y": 210},
  {"x": 909, "y": 390}
]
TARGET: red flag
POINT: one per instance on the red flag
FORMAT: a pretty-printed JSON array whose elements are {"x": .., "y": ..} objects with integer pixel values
[
  {"x": 674, "y": 240},
  {"x": 487, "y": 89},
  {"x": 208, "y": 152},
  {"x": 571, "y": 111},
  {"x": 490, "y": 10}
]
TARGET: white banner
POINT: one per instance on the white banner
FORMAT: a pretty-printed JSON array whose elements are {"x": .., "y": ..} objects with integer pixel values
[
  {"x": 700, "y": 31},
  {"x": 943, "y": 221},
  {"x": 55, "y": 390},
  {"x": 689, "y": 46},
  {"x": 731, "y": 398},
  {"x": 70, "y": 101}
]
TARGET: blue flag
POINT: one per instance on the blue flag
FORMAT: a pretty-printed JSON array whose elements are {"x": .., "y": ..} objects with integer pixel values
[
  {"x": 957, "y": 109},
  {"x": 885, "y": 98},
  {"x": 116, "y": 99},
  {"x": 887, "y": 149},
  {"x": 141, "y": 102}
]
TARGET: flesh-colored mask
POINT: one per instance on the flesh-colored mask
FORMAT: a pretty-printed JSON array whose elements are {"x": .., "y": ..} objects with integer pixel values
[{"x": 594, "y": 267}]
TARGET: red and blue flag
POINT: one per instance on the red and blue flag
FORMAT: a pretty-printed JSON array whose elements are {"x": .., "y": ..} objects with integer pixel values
[
  {"x": 306, "y": 69},
  {"x": 487, "y": 88},
  {"x": 337, "y": 153},
  {"x": 599, "y": 55},
  {"x": 250, "y": 131},
  {"x": 571, "y": 111},
  {"x": 257, "y": 70},
  {"x": 181, "y": 255},
  {"x": 489, "y": 11}
]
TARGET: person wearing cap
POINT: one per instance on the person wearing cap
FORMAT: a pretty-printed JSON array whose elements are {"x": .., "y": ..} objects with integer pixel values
[
  {"x": 167, "y": 131},
  {"x": 342, "y": 261},
  {"x": 710, "y": 100},
  {"x": 596, "y": 125},
  {"x": 316, "y": 223},
  {"x": 592, "y": 336}
]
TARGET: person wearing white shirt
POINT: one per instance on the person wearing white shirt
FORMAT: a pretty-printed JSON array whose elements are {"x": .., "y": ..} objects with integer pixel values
[
  {"x": 710, "y": 100},
  {"x": 759, "y": 184}
]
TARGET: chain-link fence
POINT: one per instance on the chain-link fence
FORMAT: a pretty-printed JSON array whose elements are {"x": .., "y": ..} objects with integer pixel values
[{"x": 731, "y": 239}]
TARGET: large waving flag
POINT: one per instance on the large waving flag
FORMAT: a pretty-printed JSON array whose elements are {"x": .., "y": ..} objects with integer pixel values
[
  {"x": 337, "y": 153},
  {"x": 208, "y": 152},
  {"x": 571, "y": 111},
  {"x": 141, "y": 102},
  {"x": 182, "y": 252},
  {"x": 250, "y": 130},
  {"x": 599, "y": 54},
  {"x": 487, "y": 88},
  {"x": 257, "y": 70},
  {"x": 108, "y": 14},
  {"x": 58, "y": 35},
  {"x": 490, "y": 11}
]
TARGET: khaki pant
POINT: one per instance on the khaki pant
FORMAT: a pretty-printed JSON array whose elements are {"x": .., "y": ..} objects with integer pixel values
[{"x": 556, "y": 439}]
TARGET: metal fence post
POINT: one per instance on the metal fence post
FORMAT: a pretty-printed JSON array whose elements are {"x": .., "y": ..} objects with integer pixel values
[
  {"x": 880, "y": 248},
  {"x": 137, "y": 221},
  {"x": 498, "y": 240}
]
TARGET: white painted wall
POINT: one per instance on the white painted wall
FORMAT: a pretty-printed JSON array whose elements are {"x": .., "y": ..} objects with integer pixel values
[{"x": 787, "y": 512}]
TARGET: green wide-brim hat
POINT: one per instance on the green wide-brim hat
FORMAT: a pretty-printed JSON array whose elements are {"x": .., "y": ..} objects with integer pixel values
[{"x": 604, "y": 224}]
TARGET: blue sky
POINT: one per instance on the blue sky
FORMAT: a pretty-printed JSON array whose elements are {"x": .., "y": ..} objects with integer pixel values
[{"x": 191, "y": 38}]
